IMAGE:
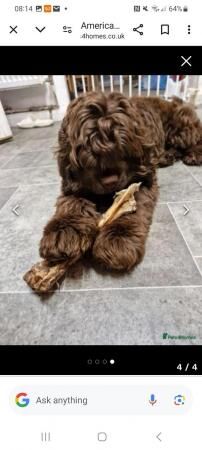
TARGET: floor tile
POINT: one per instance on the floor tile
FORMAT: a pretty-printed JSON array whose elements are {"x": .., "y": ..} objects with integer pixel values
[
  {"x": 31, "y": 159},
  {"x": 196, "y": 173},
  {"x": 36, "y": 203},
  {"x": 167, "y": 261},
  {"x": 199, "y": 263},
  {"x": 177, "y": 184},
  {"x": 35, "y": 133},
  {"x": 35, "y": 175},
  {"x": 39, "y": 145},
  {"x": 190, "y": 225},
  {"x": 7, "y": 152},
  {"x": 140, "y": 316},
  {"x": 5, "y": 194}
]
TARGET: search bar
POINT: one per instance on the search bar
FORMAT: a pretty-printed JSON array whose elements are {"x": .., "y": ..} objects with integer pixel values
[{"x": 87, "y": 400}]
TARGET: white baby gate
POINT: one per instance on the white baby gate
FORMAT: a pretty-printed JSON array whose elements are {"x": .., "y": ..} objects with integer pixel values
[{"x": 160, "y": 85}]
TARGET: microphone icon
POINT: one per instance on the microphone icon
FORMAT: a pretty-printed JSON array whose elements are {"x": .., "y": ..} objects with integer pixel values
[{"x": 152, "y": 399}]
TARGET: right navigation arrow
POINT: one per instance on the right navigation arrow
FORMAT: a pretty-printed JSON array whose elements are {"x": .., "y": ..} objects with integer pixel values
[{"x": 186, "y": 210}]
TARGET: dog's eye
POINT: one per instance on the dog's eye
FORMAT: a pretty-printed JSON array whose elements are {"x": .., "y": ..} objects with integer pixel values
[{"x": 95, "y": 110}]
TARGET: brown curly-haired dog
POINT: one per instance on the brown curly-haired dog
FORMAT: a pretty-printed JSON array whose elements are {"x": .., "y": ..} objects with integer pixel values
[{"x": 107, "y": 142}]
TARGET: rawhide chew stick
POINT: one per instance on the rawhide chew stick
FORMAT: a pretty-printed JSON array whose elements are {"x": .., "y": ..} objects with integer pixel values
[
  {"x": 43, "y": 278},
  {"x": 124, "y": 201}
]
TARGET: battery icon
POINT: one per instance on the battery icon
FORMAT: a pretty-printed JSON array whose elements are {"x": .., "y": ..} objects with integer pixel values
[{"x": 185, "y": 8}]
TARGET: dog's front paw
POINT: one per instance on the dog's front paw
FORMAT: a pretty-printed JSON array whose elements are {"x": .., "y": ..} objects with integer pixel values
[
  {"x": 63, "y": 240},
  {"x": 60, "y": 244},
  {"x": 116, "y": 249}
]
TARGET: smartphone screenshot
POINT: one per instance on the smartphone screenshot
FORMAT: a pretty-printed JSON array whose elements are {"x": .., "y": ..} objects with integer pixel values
[
  {"x": 100, "y": 173},
  {"x": 100, "y": 225},
  {"x": 104, "y": 398}
]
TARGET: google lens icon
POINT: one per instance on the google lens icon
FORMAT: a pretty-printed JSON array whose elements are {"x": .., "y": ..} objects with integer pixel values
[{"x": 22, "y": 400}]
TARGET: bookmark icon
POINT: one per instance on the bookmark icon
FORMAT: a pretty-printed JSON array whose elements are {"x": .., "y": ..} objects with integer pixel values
[{"x": 165, "y": 28}]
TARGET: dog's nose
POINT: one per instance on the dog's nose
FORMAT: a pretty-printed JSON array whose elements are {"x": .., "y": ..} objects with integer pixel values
[{"x": 110, "y": 180}]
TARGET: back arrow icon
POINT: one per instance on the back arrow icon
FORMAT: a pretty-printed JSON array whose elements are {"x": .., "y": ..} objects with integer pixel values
[
  {"x": 158, "y": 437},
  {"x": 40, "y": 30}
]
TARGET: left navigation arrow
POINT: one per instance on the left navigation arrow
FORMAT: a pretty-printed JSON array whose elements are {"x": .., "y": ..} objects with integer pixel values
[{"x": 15, "y": 210}]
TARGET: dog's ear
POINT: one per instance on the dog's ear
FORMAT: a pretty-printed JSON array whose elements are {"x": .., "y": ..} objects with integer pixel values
[
  {"x": 65, "y": 147},
  {"x": 66, "y": 155}
]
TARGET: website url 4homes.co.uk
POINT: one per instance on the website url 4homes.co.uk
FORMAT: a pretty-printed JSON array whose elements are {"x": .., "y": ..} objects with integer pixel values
[{"x": 101, "y": 30}]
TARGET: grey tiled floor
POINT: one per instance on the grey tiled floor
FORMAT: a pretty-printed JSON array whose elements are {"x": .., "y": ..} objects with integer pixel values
[{"x": 162, "y": 295}]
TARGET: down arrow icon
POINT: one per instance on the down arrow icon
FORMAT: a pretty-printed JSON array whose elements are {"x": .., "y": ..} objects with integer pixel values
[{"x": 40, "y": 30}]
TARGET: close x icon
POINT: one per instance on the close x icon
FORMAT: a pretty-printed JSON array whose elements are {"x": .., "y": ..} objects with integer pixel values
[{"x": 13, "y": 29}]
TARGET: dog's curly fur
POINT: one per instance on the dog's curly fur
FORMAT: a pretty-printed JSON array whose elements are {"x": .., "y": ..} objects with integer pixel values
[{"x": 107, "y": 142}]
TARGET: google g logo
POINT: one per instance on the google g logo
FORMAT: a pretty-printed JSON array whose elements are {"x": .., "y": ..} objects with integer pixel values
[{"x": 22, "y": 400}]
